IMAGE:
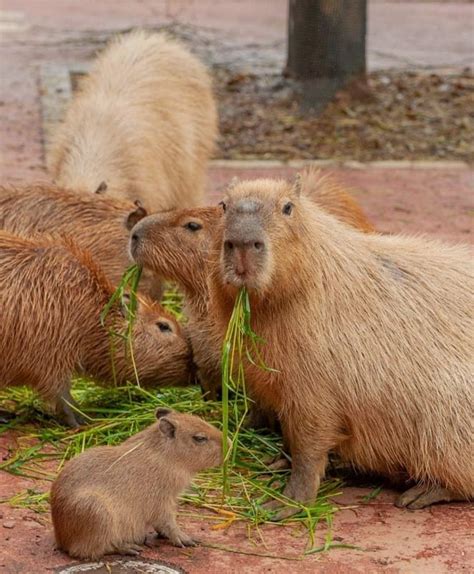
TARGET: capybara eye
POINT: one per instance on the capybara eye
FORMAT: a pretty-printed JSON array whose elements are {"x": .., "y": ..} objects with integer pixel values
[
  {"x": 258, "y": 245},
  {"x": 200, "y": 438},
  {"x": 164, "y": 327},
  {"x": 288, "y": 208},
  {"x": 193, "y": 226},
  {"x": 228, "y": 245},
  {"x": 222, "y": 203}
]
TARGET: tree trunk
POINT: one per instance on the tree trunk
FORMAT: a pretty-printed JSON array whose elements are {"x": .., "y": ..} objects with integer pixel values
[{"x": 326, "y": 46}]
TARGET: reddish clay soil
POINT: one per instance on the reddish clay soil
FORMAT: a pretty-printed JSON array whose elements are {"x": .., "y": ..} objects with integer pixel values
[{"x": 433, "y": 201}]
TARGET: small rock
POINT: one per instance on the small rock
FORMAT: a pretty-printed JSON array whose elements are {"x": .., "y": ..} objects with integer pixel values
[{"x": 8, "y": 524}]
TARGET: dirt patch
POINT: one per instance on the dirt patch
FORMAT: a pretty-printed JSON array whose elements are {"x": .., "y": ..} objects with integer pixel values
[{"x": 398, "y": 115}]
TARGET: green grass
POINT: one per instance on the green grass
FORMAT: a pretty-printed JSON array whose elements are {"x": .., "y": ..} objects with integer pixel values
[{"x": 234, "y": 493}]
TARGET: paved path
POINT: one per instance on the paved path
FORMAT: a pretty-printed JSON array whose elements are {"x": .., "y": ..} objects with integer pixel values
[{"x": 437, "y": 201}]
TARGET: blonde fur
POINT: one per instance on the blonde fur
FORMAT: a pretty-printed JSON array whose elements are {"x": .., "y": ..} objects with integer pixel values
[
  {"x": 170, "y": 249},
  {"x": 371, "y": 336},
  {"x": 144, "y": 122}
]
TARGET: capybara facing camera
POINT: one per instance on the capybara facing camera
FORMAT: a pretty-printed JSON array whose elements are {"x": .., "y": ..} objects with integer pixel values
[{"x": 350, "y": 319}]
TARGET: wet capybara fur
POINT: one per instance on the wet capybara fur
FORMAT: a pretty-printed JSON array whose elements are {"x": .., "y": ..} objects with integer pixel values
[
  {"x": 370, "y": 339},
  {"x": 53, "y": 295},
  {"x": 142, "y": 125},
  {"x": 95, "y": 223},
  {"x": 175, "y": 245},
  {"x": 106, "y": 499}
]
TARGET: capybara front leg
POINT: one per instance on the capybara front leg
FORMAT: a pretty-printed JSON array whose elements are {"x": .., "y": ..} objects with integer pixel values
[
  {"x": 421, "y": 496},
  {"x": 66, "y": 409},
  {"x": 168, "y": 527},
  {"x": 302, "y": 486}
]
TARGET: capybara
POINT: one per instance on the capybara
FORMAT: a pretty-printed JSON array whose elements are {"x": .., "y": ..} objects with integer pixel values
[
  {"x": 105, "y": 499},
  {"x": 334, "y": 198},
  {"x": 97, "y": 224},
  {"x": 369, "y": 338},
  {"x": 142, "y": 125},
  {"x": 53, "y": 295},
  {"x": 175, "y": 245}
]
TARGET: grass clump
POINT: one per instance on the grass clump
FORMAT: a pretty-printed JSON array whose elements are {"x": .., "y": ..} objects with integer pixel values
[{"x": 118, "y": 412}]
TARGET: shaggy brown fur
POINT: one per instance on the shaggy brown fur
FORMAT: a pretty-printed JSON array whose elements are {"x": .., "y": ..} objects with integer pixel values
[
  {"x": 52, "y": 298},
  {"x": 106, "y": 499},
  {"x": 175, "y": 246},
  {"x": 97, "y": 224},
  {"x": 142, "y": 126},
  {"x": 334, "y": 198},
  {"x": 371, "y": 337}
]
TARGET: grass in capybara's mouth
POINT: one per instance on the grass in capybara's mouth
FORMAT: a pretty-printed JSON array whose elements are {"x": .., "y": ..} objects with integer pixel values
[{"x": 233, "y": 493}]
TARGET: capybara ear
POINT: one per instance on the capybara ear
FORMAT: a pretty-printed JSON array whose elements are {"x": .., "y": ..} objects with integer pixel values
[
  {"x": 162, "y": 412},
  {"x": 167, "y": 427},
  {"x": 102, "y": 188},
  {"x": 134, "y": 216}
]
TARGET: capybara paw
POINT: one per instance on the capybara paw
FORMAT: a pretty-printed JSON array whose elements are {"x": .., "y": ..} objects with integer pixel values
[
  {"x": 279, "y": 463},
  {"x": 181, "y": 539},
  {"x": 422, "y": 496},
  {"x": 128, "y": 549},
  {"x": 280, "y": 510},
  {"x": 285, "y": 512}
]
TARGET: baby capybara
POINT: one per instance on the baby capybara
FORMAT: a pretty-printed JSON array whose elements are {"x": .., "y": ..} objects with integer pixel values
[
  {"x": 106, "y": 499},
  {"x": 96, "y": 223},
  {"x": 175, "y": 245},
  {"x": 370, "y": 339},
  {"x": 142, "y": 126},
  {"x": 53, "y": 295}
]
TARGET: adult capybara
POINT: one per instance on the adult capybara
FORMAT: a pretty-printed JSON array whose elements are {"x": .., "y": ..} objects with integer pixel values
[
  {"x": 106, "y": 498},
  {"x": 97, "y": 224},
  {"x": 142, "y": 126},
  {"x": 52, "y": 296},
  {"x": 175, "y": 245},
  {"x": 370, "y": 337}
]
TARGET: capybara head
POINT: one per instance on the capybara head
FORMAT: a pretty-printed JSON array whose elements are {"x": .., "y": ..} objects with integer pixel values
[
  {"x": 190, "y": 441},
  {"x": 161, "y": 350},
  {"x": 171, "y": 243},
  {"x": 261, "y": 230}
]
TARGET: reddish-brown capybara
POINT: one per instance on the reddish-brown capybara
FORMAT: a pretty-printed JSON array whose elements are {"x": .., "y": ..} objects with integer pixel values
[
  {"x": 142, "y": 126},
  {"x": 105, "y": 499},
  {"x": 53, "y": 295},
  {"x": 175, "y": 245},
  {"x": 96, "y": 223},
  {"x": 370, "y": 339}
]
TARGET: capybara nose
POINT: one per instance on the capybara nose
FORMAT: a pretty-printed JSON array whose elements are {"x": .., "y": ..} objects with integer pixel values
[
  {"x": 135, "y": 238},
  {"x": 134, "y": 241},
  {"x": 249, "y": 245}
]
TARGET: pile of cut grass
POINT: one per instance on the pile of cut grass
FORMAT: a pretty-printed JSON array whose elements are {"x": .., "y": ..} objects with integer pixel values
[{"x": 234, "y": 493}]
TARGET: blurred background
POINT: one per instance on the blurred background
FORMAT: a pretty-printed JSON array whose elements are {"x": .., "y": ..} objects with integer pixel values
[{"x": 290, "y": 76}]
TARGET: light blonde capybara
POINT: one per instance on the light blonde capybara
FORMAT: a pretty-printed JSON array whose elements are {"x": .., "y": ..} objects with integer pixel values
[
  {"x": 53, "y": 295},
  {"x": 97, "y": 224},
  {"x": 370, "y": 337},
  {"x": 175, "y": 245},
  {"x": 142, "y": 126},
  {"x": 106, "y": 499}
]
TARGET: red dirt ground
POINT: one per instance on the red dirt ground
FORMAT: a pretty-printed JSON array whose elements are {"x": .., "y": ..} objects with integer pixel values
[{"x": 435, "y": 201}]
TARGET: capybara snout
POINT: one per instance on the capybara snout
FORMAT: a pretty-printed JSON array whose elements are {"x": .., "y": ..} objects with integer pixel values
[{"x": 164, "y": 347}]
